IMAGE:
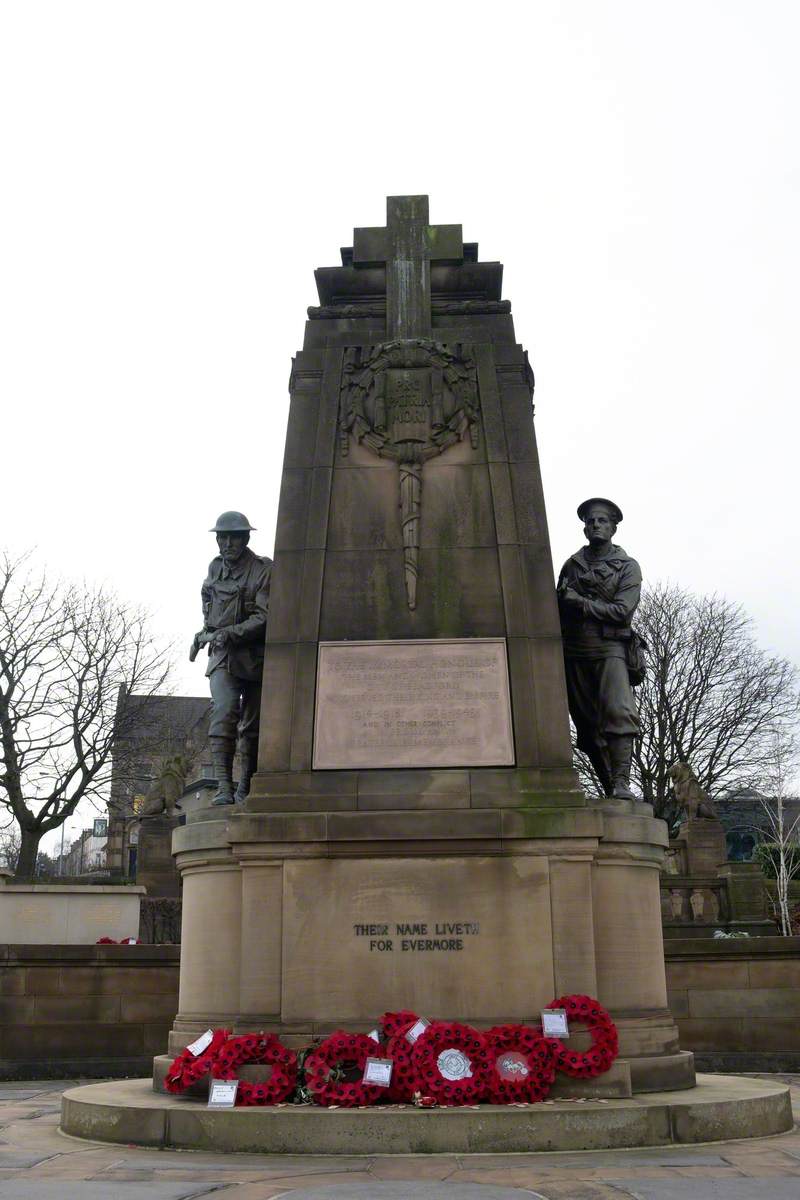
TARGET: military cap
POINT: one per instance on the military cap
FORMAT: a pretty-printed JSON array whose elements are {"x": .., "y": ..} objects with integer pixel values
[
  {"x": 232, "y": 522},
  {"x": 615, "y": 512}
]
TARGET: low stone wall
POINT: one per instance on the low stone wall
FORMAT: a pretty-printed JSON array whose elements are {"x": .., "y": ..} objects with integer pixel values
[
  {"x": 737, "y": 1001},
  {"x": 107, "y": 1010},
  {"x": 85, "y": 1010}
]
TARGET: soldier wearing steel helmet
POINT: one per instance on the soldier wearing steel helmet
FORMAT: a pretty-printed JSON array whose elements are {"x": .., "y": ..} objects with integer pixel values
[
  {"x": 598, "y": 592},
  {"x": 235, "y": 596}
]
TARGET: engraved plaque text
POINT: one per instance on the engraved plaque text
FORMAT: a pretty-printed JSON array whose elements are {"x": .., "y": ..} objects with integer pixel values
[{"x": 413, "y": 704}]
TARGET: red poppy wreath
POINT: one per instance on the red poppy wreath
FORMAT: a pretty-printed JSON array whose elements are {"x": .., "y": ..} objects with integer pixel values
[
  {"x": 523, "y": 1064},
  {"x": 258, "y": 1048},
  {"x": 453, "y": 1063},
  {"x": 328, "y": 1065},
  {"x": 395, "y": 1026},
  {"x": 598, "y": 1058},
  {"x": 189, "y": 1068}
]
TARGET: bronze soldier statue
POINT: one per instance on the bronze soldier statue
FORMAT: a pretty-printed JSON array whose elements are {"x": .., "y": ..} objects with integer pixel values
[
  {"x": 598, "y": 591},
  {"x": 235, "y": 598}
]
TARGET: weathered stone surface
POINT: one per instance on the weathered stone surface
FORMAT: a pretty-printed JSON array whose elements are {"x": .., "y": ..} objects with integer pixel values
[
  {"x": 413, "y": 704},
  {"x": 48, "y": 913},
  {"x": 363, "y": 592},
  {"x": 348, "y": 517},
  {"x": 449, "y": 938},
  {"x": 720, "y": 1107}
]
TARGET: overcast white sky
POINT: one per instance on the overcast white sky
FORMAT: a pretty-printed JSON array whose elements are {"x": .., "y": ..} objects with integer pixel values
[{"x": 173, "y": 172}]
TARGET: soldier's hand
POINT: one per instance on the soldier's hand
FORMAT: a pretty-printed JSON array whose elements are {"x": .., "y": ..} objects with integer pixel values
[
  {"x": 571, "y": 597},
  {"x": 200, "y": 639},
  {"x": 220, "y": 640}
]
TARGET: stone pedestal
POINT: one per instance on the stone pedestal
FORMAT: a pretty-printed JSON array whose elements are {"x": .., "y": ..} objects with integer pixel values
[
  {"x": 705, "y": 846},
  {"x": 748, "y": 897},
  {"x": 155, "y": 868},
  {"x": 301, "y": 923}
]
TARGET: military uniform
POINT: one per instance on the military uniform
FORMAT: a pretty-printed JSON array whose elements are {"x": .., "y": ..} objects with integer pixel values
[
  {"x": 596, "y": 635},
  {"x": 236, "y": 599}
]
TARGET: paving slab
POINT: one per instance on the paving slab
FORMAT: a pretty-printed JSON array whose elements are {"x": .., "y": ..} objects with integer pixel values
[
  {"x": 55, "y": 1166},
  {"x": 269, "y": 1189},
  {"x": 708, "y": 1189},
  {"x": 411, "y": 1190},
  {"x": 53, "y": 1189},
  {"x": 584, "y": 1191},
  {"x": 11, "y": 1160}
]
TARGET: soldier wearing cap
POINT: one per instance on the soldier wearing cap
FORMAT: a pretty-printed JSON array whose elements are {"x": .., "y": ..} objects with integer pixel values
[
  {"x": 235, "y": 596},
  {"x": 598, "y": 591}
]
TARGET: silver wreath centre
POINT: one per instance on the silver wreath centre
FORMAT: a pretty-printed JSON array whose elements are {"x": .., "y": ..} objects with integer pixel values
[
  {"x": 454, "y": 1065},
  {"x": 513, "y": 1066}
]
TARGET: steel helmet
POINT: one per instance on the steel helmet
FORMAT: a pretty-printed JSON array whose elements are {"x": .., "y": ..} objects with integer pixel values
[{"x": 232, "y": 522}]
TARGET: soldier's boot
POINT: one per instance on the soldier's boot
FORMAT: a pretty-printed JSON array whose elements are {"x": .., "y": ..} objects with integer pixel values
[
  {"x": 620, "y": 751},
  {"x": 599, "y": 759},
  {"x": 248, "y": 756},
  {"x": 222, "y": 749}
]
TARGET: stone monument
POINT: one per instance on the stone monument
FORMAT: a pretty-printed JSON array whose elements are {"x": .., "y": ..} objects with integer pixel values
[
  {"x": 415, "y": 835},
  {"x": 701, "y": 891}
]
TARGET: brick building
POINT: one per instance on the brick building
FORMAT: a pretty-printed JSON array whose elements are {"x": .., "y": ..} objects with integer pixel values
[{"x": 157, "y": 727}]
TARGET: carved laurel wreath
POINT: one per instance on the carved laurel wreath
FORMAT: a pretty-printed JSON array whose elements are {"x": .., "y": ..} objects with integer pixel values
[{"x": 453, "y": 370}]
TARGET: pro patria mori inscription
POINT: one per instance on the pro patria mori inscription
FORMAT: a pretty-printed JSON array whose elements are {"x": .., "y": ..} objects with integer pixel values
[{"x": 413, "y": 704}]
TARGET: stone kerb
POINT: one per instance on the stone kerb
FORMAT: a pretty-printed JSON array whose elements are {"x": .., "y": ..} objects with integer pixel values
[{"x": 718, "y": 1108}]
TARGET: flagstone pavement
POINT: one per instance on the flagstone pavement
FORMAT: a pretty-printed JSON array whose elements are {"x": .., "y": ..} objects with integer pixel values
[{"x": 38, "y": 1162}]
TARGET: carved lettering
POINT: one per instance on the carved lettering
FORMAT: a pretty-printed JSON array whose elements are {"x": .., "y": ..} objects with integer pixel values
[
  {"x": 412, "y": 937},
  {"x": 437, "y": 703}
]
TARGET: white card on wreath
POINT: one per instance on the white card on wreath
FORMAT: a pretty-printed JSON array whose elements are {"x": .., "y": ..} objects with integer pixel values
[
  {"x": 417, "y": 1030},
  {"x": 222, "y": 1093},
  {"x": 554, "y": 1022},
  {"x": 202, "y": 1043},
  {"x": 378, "y": 1071}
]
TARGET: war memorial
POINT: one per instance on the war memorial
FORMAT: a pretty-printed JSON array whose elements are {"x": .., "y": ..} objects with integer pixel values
[{"x": 415, "y": 836}]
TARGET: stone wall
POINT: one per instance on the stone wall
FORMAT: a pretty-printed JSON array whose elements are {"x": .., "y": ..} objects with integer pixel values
[
  {"x": 737, "y": 1001},
  {"x": 106, "y": 1010},
  {"x": 85, "y": 1010}
]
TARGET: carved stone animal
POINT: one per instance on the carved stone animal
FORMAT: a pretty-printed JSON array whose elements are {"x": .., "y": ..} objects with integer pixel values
[
  {"x": 166, "y": 791},
  {"x": 689, "y": 795}
]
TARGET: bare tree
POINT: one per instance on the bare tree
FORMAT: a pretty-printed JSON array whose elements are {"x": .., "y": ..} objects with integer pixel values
[
  {"x": 712, "y": 697},
  {"x": 9, "y": 845},
  {"x": 780, "y": 821},
  {"x": 65, "y": 652}
]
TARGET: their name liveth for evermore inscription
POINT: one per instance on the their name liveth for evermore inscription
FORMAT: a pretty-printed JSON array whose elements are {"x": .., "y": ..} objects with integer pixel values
[
  {"x": 416, "y": 936},
  {"x": 414, "y": 703}
]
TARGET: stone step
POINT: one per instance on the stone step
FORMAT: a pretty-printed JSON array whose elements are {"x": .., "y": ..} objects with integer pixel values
[{"x": 718, "y": 1108}]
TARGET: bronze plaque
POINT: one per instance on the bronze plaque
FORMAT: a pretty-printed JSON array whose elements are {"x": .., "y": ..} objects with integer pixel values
[{"x": 415, "y": 703}]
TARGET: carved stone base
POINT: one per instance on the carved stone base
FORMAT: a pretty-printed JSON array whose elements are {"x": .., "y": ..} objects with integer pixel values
[{"x": 301, "y": 922}]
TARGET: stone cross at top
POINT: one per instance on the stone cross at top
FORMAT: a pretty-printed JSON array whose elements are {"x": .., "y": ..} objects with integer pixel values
[{"x": 408, "y": 245}]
